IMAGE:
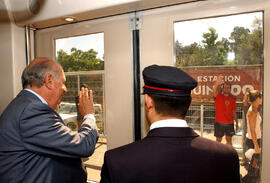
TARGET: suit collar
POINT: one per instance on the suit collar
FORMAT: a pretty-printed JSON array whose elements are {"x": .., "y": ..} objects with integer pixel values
[
  {"x": 32, "y": 97},
  {"x": 40, "y": 98},
  {"x": 181, "y": 132},
  {"x": 29, "y": 95}
]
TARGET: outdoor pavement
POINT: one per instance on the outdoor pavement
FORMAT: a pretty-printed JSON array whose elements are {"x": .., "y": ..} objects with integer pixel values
[{"x": 95, "y": 162}]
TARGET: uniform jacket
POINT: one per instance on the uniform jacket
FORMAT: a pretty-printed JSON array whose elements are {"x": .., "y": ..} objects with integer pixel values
[
  {"x": 171, "y": 155},
  {"x": 37, "y": 147}
]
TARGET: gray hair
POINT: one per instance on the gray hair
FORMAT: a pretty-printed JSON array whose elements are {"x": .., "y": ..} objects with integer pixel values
[{"x": 34, "y": 74}]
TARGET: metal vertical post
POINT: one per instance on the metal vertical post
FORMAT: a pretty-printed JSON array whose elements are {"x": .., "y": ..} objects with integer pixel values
[
  {"x": 78, "y": 83},
  {"x": 202, "y": 115},
  {"x": 136, "y": 84},
  {"x": 27, "y": 45},
  {"x": 135, "y": 24},
  {"x": 244, "y": 132},
  {"x": 103, "y": 104}
]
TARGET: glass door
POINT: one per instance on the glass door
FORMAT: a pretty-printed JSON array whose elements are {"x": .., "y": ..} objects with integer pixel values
[
  {"x": 91, "y": 53},
  {"x": 208, "y": 41}
]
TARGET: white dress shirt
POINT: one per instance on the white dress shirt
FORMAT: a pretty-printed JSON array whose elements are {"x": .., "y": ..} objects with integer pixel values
[{"x": 169, "y": 123}]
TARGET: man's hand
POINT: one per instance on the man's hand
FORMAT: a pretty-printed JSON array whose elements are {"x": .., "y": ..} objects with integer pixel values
[
  {"x": 217, "y": 84},
  {"x": 219, "y": 80},
  {"x": 86, "y": 104}
]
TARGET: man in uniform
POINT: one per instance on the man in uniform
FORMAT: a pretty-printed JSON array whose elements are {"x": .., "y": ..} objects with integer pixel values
[{"x": 171, "y": 152}]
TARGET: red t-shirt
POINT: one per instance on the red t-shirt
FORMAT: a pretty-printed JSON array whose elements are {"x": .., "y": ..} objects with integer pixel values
[{"x": 225, "y": 105}]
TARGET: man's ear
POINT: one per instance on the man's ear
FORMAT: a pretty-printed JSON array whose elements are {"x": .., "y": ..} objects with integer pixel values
[
  {"x": 48, "y": 82},
  {"x": 149, "y": 103}
]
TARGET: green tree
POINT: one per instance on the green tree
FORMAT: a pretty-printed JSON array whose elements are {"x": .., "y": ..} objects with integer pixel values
[
  {"x": 215, "y": 52},
  {"x": 247, "y": 45},
  {"x": 211, "y": 52},
  {"x": 210, "y": 38},
  {"x": 223, "y": 49},
  {"x": 79, "y": 60},
  {"x": 238, "y": 45},
  {"x": 188, "y": 55},
  {"x": 255, "y": 42}
]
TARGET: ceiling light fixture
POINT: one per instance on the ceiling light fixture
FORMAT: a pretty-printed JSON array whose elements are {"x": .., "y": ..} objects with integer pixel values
[{"x": 69, "y": 19}]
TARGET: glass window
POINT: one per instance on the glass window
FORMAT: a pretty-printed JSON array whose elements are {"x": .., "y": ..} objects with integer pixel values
[
  {"x": 230, "y": 48},
  {"x": 82, "y": 58}
]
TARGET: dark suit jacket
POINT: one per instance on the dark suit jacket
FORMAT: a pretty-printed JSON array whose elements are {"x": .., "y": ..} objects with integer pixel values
[
  {"x": 37, "y": 147},
  {"x": 171, "y": 155}
]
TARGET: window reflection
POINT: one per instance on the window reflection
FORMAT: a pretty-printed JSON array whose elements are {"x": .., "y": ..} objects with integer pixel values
[{"x": 231, "y": 47}]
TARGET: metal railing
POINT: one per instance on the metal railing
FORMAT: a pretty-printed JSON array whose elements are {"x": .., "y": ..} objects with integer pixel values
[
  {"x": 95, "y": 81},
  {"x": 201, "y": 117}
]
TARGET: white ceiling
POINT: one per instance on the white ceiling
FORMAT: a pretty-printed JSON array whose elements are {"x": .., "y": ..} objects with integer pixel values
[{"x": 51, "y": 12}]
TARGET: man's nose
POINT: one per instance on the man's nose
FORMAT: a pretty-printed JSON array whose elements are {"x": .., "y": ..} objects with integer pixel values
[{"x": 64, "y": 88}]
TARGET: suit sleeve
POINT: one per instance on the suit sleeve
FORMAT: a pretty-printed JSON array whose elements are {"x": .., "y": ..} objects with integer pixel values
[
  {"x": 43, "y": 131},
  {"x": 235, "y": 178},
  {"x": 105, "y": 171},
  {"x": 231, "y": 167}
]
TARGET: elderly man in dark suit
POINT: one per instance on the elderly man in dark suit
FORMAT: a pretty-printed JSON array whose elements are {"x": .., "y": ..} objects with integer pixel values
[
  {"x": 35, "y": 144},
  {"x": 172, "y": 152}
]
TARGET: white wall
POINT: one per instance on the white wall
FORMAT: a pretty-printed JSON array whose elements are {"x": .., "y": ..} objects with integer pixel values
[
  {"x": 18, "y": 56},
  {"x": 6, "y": 69},
  {"x": 12, "y": 60}
]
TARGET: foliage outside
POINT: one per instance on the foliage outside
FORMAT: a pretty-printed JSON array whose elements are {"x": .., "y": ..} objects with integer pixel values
[
  {"x": 246, "y": 45},
  {"x": 79, "y": 60}
]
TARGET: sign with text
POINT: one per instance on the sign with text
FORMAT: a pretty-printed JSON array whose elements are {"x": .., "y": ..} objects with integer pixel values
[{"x": 240, "y": 77}]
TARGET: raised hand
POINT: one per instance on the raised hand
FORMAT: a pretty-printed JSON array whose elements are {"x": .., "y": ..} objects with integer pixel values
[
  {"x": 86, "y": 104},
  {"x": 219, "y": 80}
]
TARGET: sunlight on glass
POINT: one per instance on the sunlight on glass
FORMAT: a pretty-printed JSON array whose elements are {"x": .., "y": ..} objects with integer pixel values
[
  {"x": 227, "y": 36},
  {"x": 93, "y": 41}
]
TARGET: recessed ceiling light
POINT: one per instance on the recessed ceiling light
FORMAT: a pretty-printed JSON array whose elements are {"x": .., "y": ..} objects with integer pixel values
[{"x": 69, "y": 19}]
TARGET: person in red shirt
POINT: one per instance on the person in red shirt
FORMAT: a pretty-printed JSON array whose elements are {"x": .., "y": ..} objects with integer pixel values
[{"x": 225, "y": 106}]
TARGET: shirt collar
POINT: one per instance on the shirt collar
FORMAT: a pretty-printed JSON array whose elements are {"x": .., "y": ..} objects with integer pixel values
[
  {"x": 169, "y": 123},
  {"x": 42, "y": 99}
]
